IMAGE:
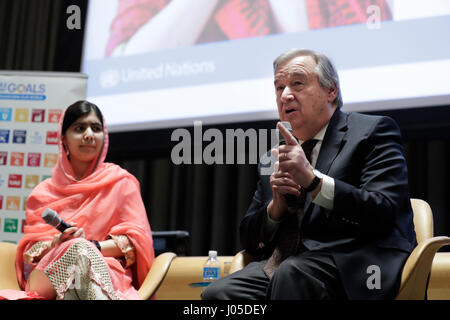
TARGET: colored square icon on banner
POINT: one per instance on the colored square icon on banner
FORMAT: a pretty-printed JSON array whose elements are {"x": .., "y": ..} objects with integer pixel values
[
  {"x": 4, "y": 135},
  {"x": 36, "y": 137},
  {"x": 1, "y": 202},
  {"x": 10, "y": 225},
  {"x": 34, "y": 159},
  {"x": 21, "y": 115},
  {"x": 17, "y": 159},
  {"x": 54, "y": 115},
  {"x": 3, "y": 158},
  {"x": 52, "y": 137},
  {"x": 13, "y": 203},
  {"x": 50, "y": 160},
  {"x": 37, "y": 115},
  {"x": 5, "y": 114},
  {"x": 20, "y": 136},
  {"x": 31, "y": 181},
  {"x": 24, "y": 203},
  {"x": 15, "y": 181}
]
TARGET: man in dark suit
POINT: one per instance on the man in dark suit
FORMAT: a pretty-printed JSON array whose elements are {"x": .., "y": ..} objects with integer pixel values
[{"x": 334, "y": 222}]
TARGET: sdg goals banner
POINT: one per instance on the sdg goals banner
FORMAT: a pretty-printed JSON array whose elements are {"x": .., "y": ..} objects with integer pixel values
[{"x": 31, "y": 104}]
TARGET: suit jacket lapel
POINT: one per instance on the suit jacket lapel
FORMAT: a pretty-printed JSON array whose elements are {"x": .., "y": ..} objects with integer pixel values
[{"x": 332, "y": 143}]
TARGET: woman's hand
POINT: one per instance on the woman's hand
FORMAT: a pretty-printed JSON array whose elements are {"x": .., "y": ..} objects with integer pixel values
[{"x": 69, "y": 233}]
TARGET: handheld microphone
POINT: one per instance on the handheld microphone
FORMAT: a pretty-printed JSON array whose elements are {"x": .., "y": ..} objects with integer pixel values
[
  {"x": 291, "y": 200},
  {"x": 51, "y": 217},
  {"x": 281, "y": 140}
]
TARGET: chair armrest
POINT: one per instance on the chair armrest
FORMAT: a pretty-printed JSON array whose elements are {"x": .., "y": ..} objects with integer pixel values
[
  {"x": 156, "y": 275},
  {"x": 240, "y": 260},
  {"x": 184, "y": 280},
  {"x": 8, "y": 277},
  {"x": 418, "y": 267},
  {"x": 439, "y": 283}
]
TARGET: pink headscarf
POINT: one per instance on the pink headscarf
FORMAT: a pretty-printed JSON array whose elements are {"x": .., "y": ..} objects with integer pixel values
[{"x": 107, "y": 201}]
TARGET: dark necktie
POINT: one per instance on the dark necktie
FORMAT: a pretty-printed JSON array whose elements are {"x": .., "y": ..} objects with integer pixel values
[{"x": 289, "y": 230}]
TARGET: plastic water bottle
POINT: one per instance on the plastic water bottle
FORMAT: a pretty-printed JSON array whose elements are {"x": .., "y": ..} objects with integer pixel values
[{"x": 211, "y": 268}]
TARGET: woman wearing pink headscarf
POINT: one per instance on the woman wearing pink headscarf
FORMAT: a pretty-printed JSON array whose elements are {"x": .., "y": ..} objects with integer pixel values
[{"x": 108, "y": 249}]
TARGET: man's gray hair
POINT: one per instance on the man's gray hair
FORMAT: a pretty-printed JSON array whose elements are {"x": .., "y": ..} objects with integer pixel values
[{"x": 327, "y": 73}]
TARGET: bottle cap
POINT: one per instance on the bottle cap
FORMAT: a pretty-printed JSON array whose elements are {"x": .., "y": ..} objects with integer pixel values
[{"x": 212, "y": 253}]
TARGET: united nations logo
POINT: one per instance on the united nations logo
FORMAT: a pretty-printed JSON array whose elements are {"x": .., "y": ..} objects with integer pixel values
[{"x": 109, "y": 78}]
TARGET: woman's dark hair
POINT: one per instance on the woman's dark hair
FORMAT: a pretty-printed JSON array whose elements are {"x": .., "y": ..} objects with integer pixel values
[{"x": 77, "y": 110}]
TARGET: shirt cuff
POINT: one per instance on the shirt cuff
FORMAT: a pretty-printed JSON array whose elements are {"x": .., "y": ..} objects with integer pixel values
[
  {"x": 325, "y": 197},
  {"x": 271, "y": 226},
  {"x": 37, "y": 251},
  {"x": 127, "y": 248}
]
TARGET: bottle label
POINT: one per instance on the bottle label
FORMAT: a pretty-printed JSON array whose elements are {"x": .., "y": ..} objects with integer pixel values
[{"x": 211, "y": 273}]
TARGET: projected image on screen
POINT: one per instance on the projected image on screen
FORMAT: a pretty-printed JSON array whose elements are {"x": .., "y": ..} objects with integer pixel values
[
  {"x": 142, "y": 26},
  {"x": 161, "y": 63}
]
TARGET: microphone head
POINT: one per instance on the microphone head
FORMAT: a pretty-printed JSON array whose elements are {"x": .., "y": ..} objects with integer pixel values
[
  {"x": 287, "y": 125},
  {"x": 51, "y": 217}
]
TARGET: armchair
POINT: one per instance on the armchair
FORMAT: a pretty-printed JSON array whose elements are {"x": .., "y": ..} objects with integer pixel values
[
  {"x": 8, "y": 278},
  {"x": 422, "y": 262}
]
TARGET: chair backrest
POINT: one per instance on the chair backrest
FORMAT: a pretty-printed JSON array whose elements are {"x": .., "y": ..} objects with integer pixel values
[
  {"x": 8, "y": 278},
  {"x": 423, "y": 219}
]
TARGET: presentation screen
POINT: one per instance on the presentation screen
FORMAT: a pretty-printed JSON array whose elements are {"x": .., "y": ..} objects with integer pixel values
[{"x": 165, "y": 64}]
